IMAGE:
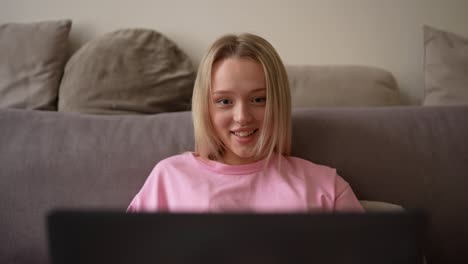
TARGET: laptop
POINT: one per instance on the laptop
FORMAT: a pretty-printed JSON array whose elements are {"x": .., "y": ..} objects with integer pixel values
[{"x": 94, "y": 237}]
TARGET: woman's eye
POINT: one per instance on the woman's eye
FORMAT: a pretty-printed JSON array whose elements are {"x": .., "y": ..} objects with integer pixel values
[
  {"x": 259, "y": 100},
  {"x": 223, "y": 101}
]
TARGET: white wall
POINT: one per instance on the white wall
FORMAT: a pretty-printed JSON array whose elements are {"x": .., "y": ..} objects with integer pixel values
[{"x": 383, "y": 33}]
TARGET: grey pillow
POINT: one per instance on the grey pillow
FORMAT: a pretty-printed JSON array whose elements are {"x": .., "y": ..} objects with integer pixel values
[
  {"x": 446, "y": 67},
  {"x": 128, "y": 71},
  {"x": 32, "y": 58},
  {"x": 342, "y": 85}
]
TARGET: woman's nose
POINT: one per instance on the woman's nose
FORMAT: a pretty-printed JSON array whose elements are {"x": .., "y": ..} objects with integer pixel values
[{"x": 242, "y": 114}]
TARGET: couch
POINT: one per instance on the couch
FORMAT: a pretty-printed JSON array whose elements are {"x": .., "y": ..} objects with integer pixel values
[
  {"x": 105, "y": 128},
  {"x": 407, "y": 155}
]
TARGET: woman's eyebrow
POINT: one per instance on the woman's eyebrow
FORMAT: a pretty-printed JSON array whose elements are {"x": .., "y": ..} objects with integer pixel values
[
  {"x": 259, "y": 90},
  {"x": 222, "y": 92},
  {"x": 229, "y": 91}
]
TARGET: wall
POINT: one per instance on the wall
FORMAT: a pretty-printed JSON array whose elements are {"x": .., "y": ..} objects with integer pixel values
[{"x": 383, "y": 33}]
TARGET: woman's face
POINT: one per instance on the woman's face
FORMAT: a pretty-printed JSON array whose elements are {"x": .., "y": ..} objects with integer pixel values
[{"x": 237, "y": 107}]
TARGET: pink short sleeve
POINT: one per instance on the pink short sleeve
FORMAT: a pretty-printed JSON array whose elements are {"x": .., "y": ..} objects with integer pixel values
[
  {"x": 345, "y": 199},
  {"x": 151, "y": 196}
]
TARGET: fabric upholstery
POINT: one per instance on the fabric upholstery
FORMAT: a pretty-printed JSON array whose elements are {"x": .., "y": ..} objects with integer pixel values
[
  {"x": 129, "y": 71},
  {"x": 445, "y": 67},
  {"x": 32, "y": 58},
  {"x": 377, "y": 206},
  {"x": 411, "y": 156},
  {"x": 342, "y": 85}
]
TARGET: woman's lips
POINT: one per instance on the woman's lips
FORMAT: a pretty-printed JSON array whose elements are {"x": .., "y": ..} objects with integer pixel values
[{"x": 244, "y": 137}]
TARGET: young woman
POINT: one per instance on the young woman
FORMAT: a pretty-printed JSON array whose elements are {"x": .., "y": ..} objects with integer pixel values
[{"x": 241, "y": 109}]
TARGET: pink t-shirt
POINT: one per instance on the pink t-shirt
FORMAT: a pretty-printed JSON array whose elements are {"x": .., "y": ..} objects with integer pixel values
[{"x": 187, "y": 183}]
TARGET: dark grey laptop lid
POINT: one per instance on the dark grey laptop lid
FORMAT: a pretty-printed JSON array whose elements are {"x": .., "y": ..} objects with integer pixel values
[{"x": 116, "y": 237}]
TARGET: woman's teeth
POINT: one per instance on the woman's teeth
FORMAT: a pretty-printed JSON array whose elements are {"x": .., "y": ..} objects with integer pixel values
[{"x": 244, "y": 133}]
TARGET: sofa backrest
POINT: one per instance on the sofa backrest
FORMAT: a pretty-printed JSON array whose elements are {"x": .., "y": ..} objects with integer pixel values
[{"x": 413, "y": 156}]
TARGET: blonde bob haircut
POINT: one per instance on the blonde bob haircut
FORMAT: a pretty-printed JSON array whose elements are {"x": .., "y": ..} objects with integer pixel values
[{"x": 275, "y": 135}]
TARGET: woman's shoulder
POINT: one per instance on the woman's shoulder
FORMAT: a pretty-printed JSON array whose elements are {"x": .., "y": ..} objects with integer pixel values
[
  {"x": 176, "y": 161},
  {"x": 307, "y": 165},
  {"x": 319, "y": 178}
]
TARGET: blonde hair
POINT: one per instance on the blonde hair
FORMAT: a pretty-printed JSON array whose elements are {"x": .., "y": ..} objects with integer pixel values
[{"x": 275, "y": 135}]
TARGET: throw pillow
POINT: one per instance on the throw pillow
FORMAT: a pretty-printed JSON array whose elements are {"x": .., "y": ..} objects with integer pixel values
[
  {"x": 445, "y": 67},
  {"x": 342, "y": 85},
  {"x": 32, "y": 58},
  {"x": 129, "y": 71}
]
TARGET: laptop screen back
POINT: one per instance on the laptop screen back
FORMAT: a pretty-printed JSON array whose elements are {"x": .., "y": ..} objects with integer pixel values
[{"x": 115, "y": 237}]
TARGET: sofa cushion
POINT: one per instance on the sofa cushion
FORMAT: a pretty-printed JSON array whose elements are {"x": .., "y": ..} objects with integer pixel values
[
  {"x": 342, "y": 85},
  {"x": 379, "y": 206},
  {"x": 127, "y": 71},
  {"x": 445, "y": 67},
  {"x": 32, "y": 58}
]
